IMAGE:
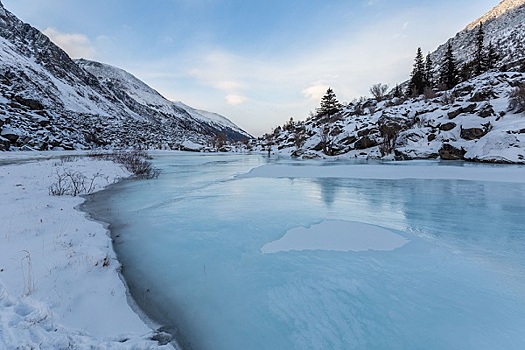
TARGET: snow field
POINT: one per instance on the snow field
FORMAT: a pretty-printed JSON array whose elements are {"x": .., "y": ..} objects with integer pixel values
[{"x": 59, "y": 277}]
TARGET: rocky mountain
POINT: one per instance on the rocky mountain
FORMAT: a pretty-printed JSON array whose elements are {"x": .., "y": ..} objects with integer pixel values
[
  {"x": 504, "y": 27},
  {"x": 49, "y": 101},
  {"x": 481, "y": 119}
]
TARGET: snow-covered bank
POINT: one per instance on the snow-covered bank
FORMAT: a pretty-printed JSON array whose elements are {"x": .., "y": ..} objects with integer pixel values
[{"x": 59, "y": 280}]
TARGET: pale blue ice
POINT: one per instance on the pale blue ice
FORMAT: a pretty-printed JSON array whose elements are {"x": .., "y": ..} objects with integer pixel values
[{"x": 190, "y": 242}]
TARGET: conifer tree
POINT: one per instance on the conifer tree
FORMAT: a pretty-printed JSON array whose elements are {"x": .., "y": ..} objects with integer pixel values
[
  {"x": 397, "y": 91},
  {"x": 479, "y": 57},
  {"x": 449, "y": 71},
  {"x": 416, "y": 86},
  {"x": 329, "y": 104},
  {"x": 429, "y": 75},
  {"x": 492, "y": 57}
]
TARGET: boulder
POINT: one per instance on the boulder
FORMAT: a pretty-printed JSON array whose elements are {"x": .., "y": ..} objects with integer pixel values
[
  {"x": 11, "y": 134},
  {"x": 473, "y": 133},
  {"x": 29, "y": 103},
  {"x": 431, "y": 137},
  {"x": 486, "y": 111},
  {"x": 365, "y": 142},
  {"x": 469, "y": 109},
  {"x": 447, "y": 126},
  {"x": 449, "y": 152}
]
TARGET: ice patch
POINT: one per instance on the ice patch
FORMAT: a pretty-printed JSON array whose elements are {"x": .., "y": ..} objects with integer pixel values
[{"x": 342, "y": 236}]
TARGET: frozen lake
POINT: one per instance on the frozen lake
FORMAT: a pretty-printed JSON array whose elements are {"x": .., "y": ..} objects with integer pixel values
[{"x": 312, "y": 255}]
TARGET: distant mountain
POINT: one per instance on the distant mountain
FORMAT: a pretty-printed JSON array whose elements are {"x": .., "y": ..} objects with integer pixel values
[
  {"x": 49, "y": 101},
  {"x": 481, "y": 119}
]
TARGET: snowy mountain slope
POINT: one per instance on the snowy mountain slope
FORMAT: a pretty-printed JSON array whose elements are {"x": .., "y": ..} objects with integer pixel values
[
  {"x": 48, "y": 101},
  {"x": 502, "y": 8},
  {"x": 504, "y": 27},
  {"x": 142, "y": 99},
  {"x": 210, "y": 117}
]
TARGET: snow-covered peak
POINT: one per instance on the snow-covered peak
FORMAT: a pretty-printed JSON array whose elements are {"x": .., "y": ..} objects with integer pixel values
[
  {"x": 122, "y": 82},
  {"x": 113, "y": 77},
  {"x": 503, "y": 7}
]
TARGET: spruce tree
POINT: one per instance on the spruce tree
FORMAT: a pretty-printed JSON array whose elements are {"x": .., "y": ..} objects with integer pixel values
[
  {"x": 329, "y": 104},
  {"x": 429, "y": 75},
  {"x": 416, "y": 86},
  {"x": 397, "y": 91},
  {"x": 479, "y": 57},
  {"x": 492, "y": 57},
  {"x": 449, "y": 71}
]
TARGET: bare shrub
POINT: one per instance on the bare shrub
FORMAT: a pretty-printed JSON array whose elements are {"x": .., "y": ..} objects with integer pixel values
[
  {"x": 73, "y": 183},
  {"x": 136, "y": 162},
  {"x": 378, "y": 91},
  {"x": 29, "y": 284},
  {"x": 389, "y": 131},
  {"x": 448, "y": 98},
  {"x": 517, "y": 99}
]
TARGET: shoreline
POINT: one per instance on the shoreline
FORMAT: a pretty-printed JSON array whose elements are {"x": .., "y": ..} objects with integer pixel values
[
  {"x": 94, "y": 206},
  {"x": 60, "y": 280}
]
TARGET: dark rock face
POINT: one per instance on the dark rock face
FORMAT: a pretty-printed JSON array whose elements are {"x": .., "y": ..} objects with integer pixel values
[
  {"x": 364, "y": 143},
  {"x": 449, "y": 152},
  {"x": 469, "y": 109},
  {"x": 473, "y": 133},
  {"x": 447, "y": 126}
]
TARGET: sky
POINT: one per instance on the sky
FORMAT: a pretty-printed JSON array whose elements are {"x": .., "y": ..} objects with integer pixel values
[{"x": 257, "y": 62}]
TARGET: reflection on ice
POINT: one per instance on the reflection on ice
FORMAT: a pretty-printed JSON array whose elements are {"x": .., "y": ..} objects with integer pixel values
[{"x": 342, "y": 236}]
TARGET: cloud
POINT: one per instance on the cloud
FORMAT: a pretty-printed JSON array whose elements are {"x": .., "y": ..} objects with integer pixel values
[
  {"x": 262, "y": 89},
  {"x": 315, "y": 92},
  {"x": 76, "y": 45},
  {"x": 235, "y": 100}
]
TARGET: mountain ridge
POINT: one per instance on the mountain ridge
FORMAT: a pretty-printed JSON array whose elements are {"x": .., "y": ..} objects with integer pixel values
[{"x": 49, "y": 101}]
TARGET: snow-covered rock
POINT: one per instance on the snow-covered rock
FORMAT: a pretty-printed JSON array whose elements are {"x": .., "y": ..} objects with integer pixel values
[{"x": 471, "y": 122}]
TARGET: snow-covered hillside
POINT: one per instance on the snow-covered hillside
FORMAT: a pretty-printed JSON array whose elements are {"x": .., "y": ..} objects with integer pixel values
[
  {"x": 146, "y": 101},
  {"x": 481, "y": 119},
  {"x": 48, "y": 101},
  {"x": 470, "y": 122}
]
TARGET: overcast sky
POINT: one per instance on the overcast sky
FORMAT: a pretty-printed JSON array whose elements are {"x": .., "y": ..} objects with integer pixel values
[{"x": 257, "y": 62}]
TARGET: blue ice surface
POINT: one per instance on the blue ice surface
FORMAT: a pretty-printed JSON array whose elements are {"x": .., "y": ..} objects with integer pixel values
[{"x": 191, "y": 241}]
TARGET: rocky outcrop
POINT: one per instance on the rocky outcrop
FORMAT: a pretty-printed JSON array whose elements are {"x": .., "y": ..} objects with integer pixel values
[
  {"x": 449, "y": 152},
  {"x": 419, "y": 128}
]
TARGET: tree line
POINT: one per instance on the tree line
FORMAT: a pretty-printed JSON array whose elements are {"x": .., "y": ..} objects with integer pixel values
[
  {"x": 450, "y": 73},
  {"x": 425, "y": 77}
]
